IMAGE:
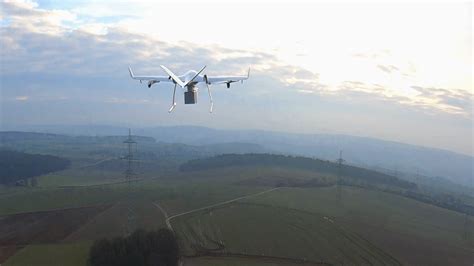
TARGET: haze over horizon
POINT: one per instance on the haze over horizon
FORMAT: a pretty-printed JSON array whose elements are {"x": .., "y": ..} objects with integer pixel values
[{"x": 370, "y": 73}]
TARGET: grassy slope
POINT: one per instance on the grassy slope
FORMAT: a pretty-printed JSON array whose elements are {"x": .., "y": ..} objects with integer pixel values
[
  {"x": 36, "y": 199},
  {"x": 403, "y": 227},
  {"x": 266, "y": 231},
  {"x": 239, "y": 261},
  {"x": 114, "y": 221},
  {"x": 375, "y": 208},
  {"x": 74, "y": 254},
  {"x": 79, "y": 178}
]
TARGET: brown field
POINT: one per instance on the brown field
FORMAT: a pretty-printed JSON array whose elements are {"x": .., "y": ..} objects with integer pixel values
[
  {"x": 245, "y": 259},
  {"x": 113, "y": 222},
  {"x": 22, "y": 229}
]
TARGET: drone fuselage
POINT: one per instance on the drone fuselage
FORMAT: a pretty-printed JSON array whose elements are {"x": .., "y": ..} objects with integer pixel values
[
  {"x": 188, "y": 81},
  {"x": 191, "y": 95},
  {"x": 188, "y": 76}
]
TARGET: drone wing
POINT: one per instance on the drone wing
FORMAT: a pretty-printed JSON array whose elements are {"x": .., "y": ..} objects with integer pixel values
[
  {"x": 151, "y": 78},
  {"x": 226, "y": 79}
]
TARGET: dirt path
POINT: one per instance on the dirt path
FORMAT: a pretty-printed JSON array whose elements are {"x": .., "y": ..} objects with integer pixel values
[
  {"x": 169, "y": 218},
  {"x": 164, "y": 214},
  {"x": 95, "y": 163}
]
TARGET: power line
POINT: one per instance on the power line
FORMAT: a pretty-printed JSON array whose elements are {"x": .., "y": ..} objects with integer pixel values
[
  {"x": 129, "y": 176},
  {"x": 129, "y": 173},
  {"x": 340, "y": 162}
]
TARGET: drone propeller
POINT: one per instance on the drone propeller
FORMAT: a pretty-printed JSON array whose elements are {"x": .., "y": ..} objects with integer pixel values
[{"x": 209, "y": 91}]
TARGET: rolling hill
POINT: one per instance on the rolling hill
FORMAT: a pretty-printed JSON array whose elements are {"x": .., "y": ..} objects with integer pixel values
[{"x": 387, "y": 156}]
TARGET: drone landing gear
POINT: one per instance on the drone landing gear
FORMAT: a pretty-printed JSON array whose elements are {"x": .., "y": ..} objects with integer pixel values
[
  {"x": 174, "y": 102},
  {"x": 210, "y": 98}
]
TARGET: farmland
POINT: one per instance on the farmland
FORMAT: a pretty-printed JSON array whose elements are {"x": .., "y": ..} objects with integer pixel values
[{"x": 221, "y": 216}]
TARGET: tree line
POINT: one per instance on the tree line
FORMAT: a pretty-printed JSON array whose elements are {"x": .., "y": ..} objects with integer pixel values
[
  {"x": 320, "y": 166},
  {"x": 18, "y": 167},
  {"x": 142, "y": 248}
]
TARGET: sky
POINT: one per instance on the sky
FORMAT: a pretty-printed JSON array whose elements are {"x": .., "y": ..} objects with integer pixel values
[{"x": 394, "y": 71}]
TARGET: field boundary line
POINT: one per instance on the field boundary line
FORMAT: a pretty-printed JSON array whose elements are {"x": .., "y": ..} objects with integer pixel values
[{"x": 168, "y": 219}]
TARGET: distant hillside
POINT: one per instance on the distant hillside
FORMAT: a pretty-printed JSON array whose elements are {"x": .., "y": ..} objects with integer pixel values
[
  {"x": 15, "y": 166},
  {"x": 350, "y": 176},
  {"x": 351, "y": 173},
  {"x": 387, "y": 156},
  {"x": 364, "y": 152},
  {"x": 8, "y": 137},
  {"x": 91, "y": 147}
]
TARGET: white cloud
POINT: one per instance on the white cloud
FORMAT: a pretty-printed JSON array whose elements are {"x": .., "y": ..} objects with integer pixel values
[
  {"x": 22, "y": 98},
  {"x": 352, "y": 62},
  {"x": 26, "y": 15},
  {"x": 377, "y": 71},
  {"x": 127, "y": 101}
]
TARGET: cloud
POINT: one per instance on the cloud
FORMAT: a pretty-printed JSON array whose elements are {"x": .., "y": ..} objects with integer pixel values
[
  {"x": 372, "y": 54},
  {"x": 26, "y": 15},
  {"x": 127, "y": 101},
  {"x": 457, "y": 102},
  {"x": 452, "y": 101},
  {"x": 358, "y": 86},
  {"x": 60, "y": 66},
  {"x": 22, "y": 98},
  {"x": 387, "y": 69},
  {"x": 37, "y": 41}
]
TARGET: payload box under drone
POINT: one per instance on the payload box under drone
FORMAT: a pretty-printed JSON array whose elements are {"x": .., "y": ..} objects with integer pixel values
[{"x": 188, "y": 81}]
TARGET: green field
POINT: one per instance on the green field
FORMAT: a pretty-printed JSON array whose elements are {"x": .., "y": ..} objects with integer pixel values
[
  {"x": 74, "y": 254},
  {"x": 287, "y": 226},
  {"x": 290, "y": 223},
  {"x": 273, "y": 232},
  {"x": 382, "y": 218},
  {"x": 366, "y": 226}
]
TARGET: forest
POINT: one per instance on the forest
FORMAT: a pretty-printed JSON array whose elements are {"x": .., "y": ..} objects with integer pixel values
[
  {"x": 19, "y": 166},
  {"x": 142, "y": 248}
]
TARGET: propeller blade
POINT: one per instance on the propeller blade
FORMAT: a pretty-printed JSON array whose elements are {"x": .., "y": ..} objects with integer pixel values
[{"x": 173, "y": 76}]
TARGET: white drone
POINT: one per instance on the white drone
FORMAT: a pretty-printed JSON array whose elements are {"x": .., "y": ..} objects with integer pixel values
[{"x": 189, "y": 81}]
